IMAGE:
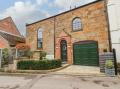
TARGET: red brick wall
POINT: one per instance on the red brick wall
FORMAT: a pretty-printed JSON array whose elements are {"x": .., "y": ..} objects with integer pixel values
[
  {"x": 3, "y": 43},
  {"x": 8, "y": 25}
]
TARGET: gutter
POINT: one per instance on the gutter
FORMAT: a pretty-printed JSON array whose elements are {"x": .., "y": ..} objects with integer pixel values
[{"x": 54, "y": 36}]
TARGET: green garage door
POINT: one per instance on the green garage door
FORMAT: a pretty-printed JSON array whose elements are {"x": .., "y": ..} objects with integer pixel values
[{"x": 86, "y": 54}]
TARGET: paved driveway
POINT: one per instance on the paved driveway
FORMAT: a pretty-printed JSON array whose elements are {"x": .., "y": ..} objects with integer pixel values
[
  {"x": 77, "y": 69},
  {"x": 50, "y": 81}
]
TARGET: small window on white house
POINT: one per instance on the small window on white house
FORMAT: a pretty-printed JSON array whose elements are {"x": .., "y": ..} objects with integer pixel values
[
  {"x": 77, "y": 24},
  {"x": 40, "y": 38}
]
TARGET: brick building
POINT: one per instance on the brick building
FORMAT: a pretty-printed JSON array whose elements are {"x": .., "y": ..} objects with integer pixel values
[
  {"x": 9, "y": 38},
  {"x": 76, "y": 36},
  {"x": 9, "y": 34}
]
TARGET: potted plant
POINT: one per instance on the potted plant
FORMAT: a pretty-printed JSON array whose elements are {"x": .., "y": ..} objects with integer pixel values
[{"x": 109, "y": 68}]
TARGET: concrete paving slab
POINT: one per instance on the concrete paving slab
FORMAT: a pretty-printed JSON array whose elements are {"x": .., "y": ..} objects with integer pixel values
[{"x": 76, "y": 69}]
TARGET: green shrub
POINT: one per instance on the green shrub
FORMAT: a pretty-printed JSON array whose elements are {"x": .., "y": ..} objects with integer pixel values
[
  {"x": 25, "y": 53},
  {"x": 42, "y": 55},
  {"x": 109, "y": 64},
  {"x": 29, "y": 54},
  {"x": 5, "y": 56},
  {"x": 38, "y": 65}
]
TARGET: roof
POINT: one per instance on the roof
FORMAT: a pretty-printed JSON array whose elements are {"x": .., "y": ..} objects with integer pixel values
[
  {"x": 9, "y": 26},
  {"x": 65, "y": 12},
  {"x": 12, "y": 39}
]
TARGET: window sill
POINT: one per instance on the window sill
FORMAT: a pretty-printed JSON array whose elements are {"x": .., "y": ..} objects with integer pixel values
[
  {"x": 77, "y": 30},
  {"x": 38, "y": 49}
]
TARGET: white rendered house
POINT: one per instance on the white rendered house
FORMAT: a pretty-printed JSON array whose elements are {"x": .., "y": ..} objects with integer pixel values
[{"x": 114, "y": 20}]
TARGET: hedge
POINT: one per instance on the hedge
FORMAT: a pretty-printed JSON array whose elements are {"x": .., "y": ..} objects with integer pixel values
[{"x": 38, "y": 65}]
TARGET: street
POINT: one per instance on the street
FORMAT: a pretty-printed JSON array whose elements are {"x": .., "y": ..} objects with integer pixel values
[{"x": 52, "y": 81}]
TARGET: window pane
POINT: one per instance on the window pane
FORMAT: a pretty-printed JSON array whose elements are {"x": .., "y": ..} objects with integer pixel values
[
  {"x": 39, "y": 44},
  {"x": 77, "y": 25},
  {"x": 39, "y": 38},
  {"x": 39, "y": 34}
]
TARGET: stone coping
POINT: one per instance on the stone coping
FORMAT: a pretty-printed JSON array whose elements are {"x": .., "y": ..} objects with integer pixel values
[
  {"x": 34, "y": 74},
  {"x": 34, "y": 71}
]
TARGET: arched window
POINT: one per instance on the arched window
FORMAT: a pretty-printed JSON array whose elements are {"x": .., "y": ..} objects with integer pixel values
[
  {"x": 77, "y": 24},
  {"x": 39, "y": 38}
]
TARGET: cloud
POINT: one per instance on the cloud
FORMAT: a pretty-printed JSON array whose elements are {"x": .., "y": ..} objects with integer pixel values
[
  {"x": 66, "y": 4},
  {"x": 39, "y": 2},
  {"x": 24, "y": 12},
  {"x": 27, "y": 11},
  {"x": 19, "y": 10}
]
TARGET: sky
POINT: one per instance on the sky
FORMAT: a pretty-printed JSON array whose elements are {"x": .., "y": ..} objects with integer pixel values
[{"x": 28, "y": 11}]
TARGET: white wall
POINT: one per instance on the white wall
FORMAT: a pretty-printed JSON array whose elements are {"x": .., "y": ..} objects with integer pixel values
[{"x": 114, "y": 19}]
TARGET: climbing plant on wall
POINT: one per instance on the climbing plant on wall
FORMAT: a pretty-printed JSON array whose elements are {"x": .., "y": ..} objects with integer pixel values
[{"x": 5, "y": 56}]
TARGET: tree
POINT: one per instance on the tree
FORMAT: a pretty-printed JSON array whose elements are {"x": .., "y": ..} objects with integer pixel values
[
  {"x": 5, "y": 56},
  {"x": 24, "y": 50},
  {"x": 23, "y": 46}
]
